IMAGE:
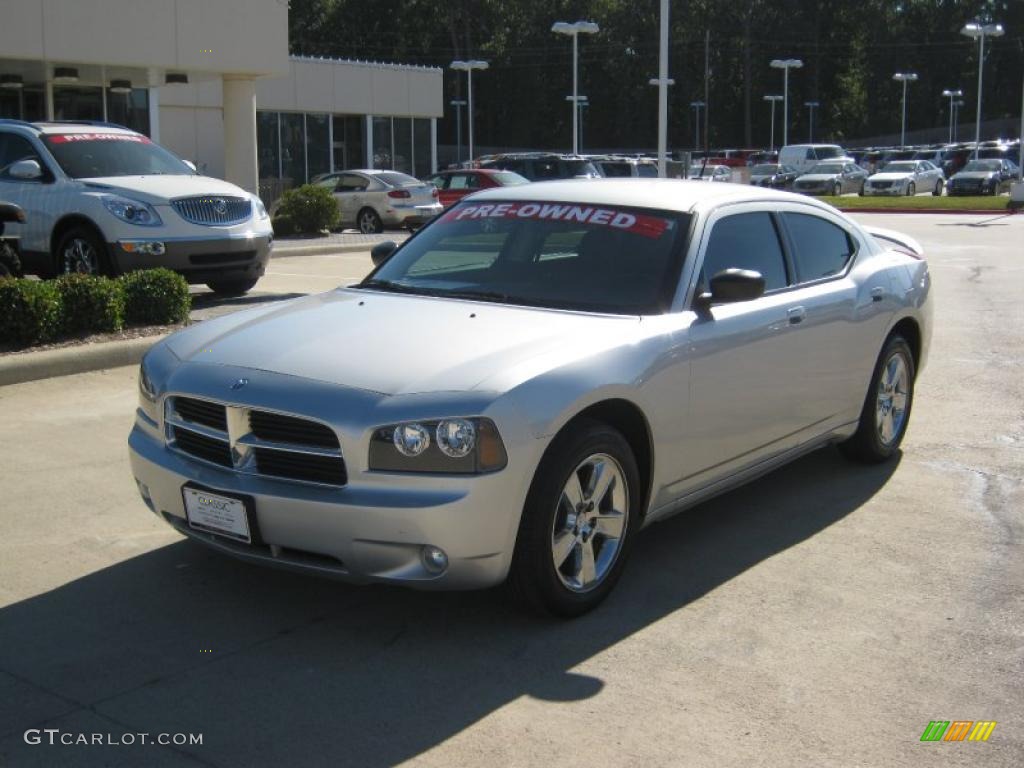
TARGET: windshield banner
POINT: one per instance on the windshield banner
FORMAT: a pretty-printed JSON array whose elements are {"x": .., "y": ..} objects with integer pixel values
[
  {"x": 67, "y": 138},
  {"x": 636, "y": 223}
]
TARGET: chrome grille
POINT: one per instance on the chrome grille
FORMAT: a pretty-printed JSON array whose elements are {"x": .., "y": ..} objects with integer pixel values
[
  {"x": 214, "y": 210},
  {"x": 255, "y": 442}
]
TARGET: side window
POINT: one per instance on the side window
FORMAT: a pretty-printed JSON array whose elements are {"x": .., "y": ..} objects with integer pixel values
[
  {"x": 352, "y": 183},
  {"x": 439, "y": 181},
  {"x": 820, "y": 248},
  {"x": 745, "y": 241},
  {"x": 458, "y": 181},
  {"x": 810, "y": 155},
  {"x": 12, "y": 149},
  {"x": 472, "y": 181}
]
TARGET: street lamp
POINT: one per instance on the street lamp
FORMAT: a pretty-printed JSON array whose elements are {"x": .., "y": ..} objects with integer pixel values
[
  {"x": 952, "y": 95},
  {"x": 956, "y": 117},
  {"x": 468, "y": 67},
  {"x": 663, "y": 81},
  {"x": 811, "y": 105},
  {"x": 458, "y": 104},
  {"x": 980, "y": 31},
  {"x": 697, "y": 106},
  {"x": 581, "y": 102},
  {"x": 773, "y": 99},
  {"x": 785, "y": 65},
  {"x": 574, "y": 29},
  {"x": 904, "y": 77}
]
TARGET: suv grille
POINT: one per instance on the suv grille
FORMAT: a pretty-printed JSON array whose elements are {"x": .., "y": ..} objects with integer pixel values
[
  {"x": 255, "y": 442},
  {"x": 213, "y": 210}
]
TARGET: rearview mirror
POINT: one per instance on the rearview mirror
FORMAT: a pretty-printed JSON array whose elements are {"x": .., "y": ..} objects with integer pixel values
[
  {"x": 26, "y": 170},
  {"x": 732, "y": 285},
  {"x": 381, "y": 252}
]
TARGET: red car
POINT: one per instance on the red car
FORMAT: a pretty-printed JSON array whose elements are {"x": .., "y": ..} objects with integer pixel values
[{"x": 452, "y": 186}]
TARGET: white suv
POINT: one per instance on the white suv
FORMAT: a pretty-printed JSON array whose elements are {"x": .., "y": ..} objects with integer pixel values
[{"x": 102, "y": 199}]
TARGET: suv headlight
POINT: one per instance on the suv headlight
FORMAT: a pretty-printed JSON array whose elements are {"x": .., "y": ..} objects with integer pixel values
[
  {"x": 451, "y": 446},
  {"x": 132, "y": 211},
  {"x": 259, "y": 208}
]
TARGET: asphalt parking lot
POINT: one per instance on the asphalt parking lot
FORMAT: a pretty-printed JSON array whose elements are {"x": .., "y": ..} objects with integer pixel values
[{"x": 821, "y": 616}]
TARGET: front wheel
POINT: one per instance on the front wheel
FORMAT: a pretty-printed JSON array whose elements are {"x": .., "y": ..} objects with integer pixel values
[
  {"x": 10, "y": 264},
  {"x": 80, "y": 251},
  {"x": 369, "y": 222},
  {"x": 911, "y": 189},
  {"x": 837, "y": 189},
  {"x": 580, "y": 518},
  {"x": 937, "y": 192},
  {"x": 232, "y": 287},
  {"x": 886, "y": 410}
]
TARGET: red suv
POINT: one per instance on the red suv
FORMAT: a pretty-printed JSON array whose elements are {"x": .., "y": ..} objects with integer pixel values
[{"x": 452, "y": 186}]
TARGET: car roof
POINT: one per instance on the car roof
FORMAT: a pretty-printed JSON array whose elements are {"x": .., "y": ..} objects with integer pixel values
[
  {"x": 72, "y": 126},
  {"x": 664, "y": 194},
  {"x": 484, "y": 171}
]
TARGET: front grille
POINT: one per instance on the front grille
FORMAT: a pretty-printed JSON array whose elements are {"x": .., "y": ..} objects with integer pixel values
[
  {"x": 202, "y": 447},
  {"x": 288, "y": 429},
  {"x": 213, "y": 210},
  {"x": 881, "y": 184},
  {"x": 205, "y": 259},
  {"x": 301, "y": 466},
  {"x": 208, "y": 414}
]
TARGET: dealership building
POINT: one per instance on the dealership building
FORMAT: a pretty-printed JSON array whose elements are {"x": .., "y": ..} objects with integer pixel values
[{"x": 213, "y": 81}]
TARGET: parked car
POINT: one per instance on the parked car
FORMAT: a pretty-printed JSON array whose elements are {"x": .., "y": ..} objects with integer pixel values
[
  {"x": 983, "y": 177},
  {"x": 452, "y": 186},
  {"x": 485, "y": 407},
  {"x": 773, "y": 175},
  {"x": 543, "y": 166},
  {"x": 831, "y": 178},
  {"x": 10, "y": 263},
  {"x": 803, "y": 157},
  {"x": 612, "y": 166},
  {"x": 710, "y": 172},
  {"x": 371, "y": 200},
  {"x": 906, "y": 177},
  {"x": 764, "y": 157},
  {"x": 953, "y": 160},
  {"x": 102, "y": 199}
]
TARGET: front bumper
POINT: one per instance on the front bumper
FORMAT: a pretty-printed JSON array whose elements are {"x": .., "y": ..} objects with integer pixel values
[
  {"x": 412, "y": 215},
  {"x": 894, "y": 191},
  {"x": 199, "y": 260}
]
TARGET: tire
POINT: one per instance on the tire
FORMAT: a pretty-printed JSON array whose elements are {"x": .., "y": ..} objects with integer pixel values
[
  {"x": 869, "y": 444},
  {"x": 911, "y": 189},
  {"x": 10, "y": 264},
  {"x": 557, "y": 584},
  {"x": 368, "y": 222},
  {"x": 937, "y": 192},
  {"x": 861, "y": 190},
  {"x": 80, "y": 250},
  {"x": 837, "y": 189},
  {"x": 232, "y": 287}
]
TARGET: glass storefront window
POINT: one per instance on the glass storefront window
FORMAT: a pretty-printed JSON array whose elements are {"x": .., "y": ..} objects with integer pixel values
[
  {"x": 318, "y": 149},
  {"x": 421, "y": 148},
  {"x": 382, "y": 146},
  {"x": 77, "y": 102},
  {"x": 349, "y": 143},
  {"x": 402, "y": 131},
  {"x": 129, "y": 109},
  {"x": 293, "y": 154}
]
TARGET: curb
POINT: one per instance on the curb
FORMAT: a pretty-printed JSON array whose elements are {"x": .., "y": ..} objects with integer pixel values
[
  {"x": 48, "y": 363},
  {"x": 957, "y": 211},
  {"x": 319, "y": 250}
]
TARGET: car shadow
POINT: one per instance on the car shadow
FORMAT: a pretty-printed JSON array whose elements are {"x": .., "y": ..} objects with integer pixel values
[{"x": 278, "y": 668}]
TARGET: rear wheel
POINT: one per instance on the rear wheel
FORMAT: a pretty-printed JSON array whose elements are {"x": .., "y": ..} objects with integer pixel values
[
  {"x": 886, "y": 411},
  {"x": 232, "y": 287},
  {"x": 10, "y": 264},
  {"x": 837, "y": 189},
  {"x": 81, "y": 251},
  {"x": 579, "y": 522},
  {"x": 369, "y": 222}
]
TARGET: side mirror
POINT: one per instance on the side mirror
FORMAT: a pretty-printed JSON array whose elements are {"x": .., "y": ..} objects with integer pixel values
[
  {"x": 191, "y": 165},
  {"x": 26, "y": 170},
  {"x": 732, "y": 285},
  {"x": 381, "y": 252}
]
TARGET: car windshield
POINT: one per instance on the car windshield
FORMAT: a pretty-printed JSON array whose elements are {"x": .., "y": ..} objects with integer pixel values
[
  {"x": 96, "y": 155},
  {"x": 982, "y": 166},
  {"x": 764, "y": 170},
  {"x": 824, "y": 153},
  {"x": 509, "y": 179},
  {"x": 708, "y": 170},
  {"x": 581, "y": 168},
  {"x": 393, "y": 179},
  {"x": 647, "y": 170},
  {"x": 899, "y": 167},
  {"x": 613, "y": 259},
  {"x": 827, "y": 168}
]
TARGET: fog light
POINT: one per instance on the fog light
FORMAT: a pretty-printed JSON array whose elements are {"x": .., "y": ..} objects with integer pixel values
[
  {"x": 144, "y": 493},
  {"x": 434, "y": 559},
  {"x": 149, "y": 247}
]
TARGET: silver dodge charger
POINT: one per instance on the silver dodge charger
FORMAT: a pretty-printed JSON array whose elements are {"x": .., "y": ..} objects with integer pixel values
[{"x": 518, "y": 389}]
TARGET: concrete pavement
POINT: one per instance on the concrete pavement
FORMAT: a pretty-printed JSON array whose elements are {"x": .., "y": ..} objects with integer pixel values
[{"x": 821, "y": 616}]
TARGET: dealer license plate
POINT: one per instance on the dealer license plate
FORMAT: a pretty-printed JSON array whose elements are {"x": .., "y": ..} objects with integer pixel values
[{"x": 217, "y": 514}]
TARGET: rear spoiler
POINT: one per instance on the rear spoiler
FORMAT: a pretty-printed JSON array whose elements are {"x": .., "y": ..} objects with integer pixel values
[{"x": 897, "y": 241}]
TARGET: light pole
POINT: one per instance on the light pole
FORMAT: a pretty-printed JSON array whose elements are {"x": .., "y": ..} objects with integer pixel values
[
  {"x": 696, "y": 106},
  {"x": 811, "y": 105},
  {"x": 581, "y": 102},
  {"x": 785, "y": 65},
  {"x": 773, "y": 99},
  {"x": 458, "y": 104},
  {"x": 952, "y": 95},
  {"x": 574, "y": 29},
  {"x": 468, "y": 67},
  {"x": 663, "y": 81},
  {"x": 956, "y": 117},
  {"x": 980, "y": 31},
  {"x": 904, "y": 77}
]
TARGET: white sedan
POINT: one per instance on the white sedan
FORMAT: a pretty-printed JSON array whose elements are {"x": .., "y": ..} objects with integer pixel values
[{"x": 906, "y": 177}]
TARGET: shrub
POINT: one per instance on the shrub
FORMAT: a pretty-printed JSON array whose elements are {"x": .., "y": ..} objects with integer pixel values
[
  {"x": 91, "y": 304},
  {"x": 155, "y": 296},
  {"x": 282, "y": 225},
  {"x": 309, "y": 209},
  {"x": 30, "y": 311}
]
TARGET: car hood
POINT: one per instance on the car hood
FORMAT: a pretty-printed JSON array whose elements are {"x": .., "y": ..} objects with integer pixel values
[
  {"x": 397, "y": 344},
  {"x": 890, "y": 176},
  {"x": 158, "y": 189},
  {"x": 982, "y": 175}
]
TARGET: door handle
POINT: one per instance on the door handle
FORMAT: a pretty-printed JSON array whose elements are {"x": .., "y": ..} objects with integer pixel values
[
  {"x": 796, "y": 315},
  {"x": 877, "y": 293}
]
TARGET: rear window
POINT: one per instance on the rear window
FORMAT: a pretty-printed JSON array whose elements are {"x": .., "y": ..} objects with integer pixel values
[
  {"x": 509, "y": 179},
  {"x": 393, "y": 179}
]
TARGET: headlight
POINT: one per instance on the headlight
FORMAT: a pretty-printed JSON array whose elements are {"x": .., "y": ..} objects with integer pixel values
[
  {"x": 147, "y": 393},
  {"x": 260, "y": 208},
  {"x": 132, "y": 211},
  {"x": 454, "y": 446}
]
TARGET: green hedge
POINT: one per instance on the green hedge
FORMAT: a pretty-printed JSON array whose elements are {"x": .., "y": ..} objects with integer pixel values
[
  {"x": 306, "y": 210},
  {"x": 36, "y": 311}
]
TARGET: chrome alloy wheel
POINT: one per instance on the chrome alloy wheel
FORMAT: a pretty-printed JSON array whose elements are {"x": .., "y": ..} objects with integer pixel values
[
  {"x": 590, "y": 523},
  {"x": 891, "y": 403},
  {"x": 80, "y": 257},
  {"x": 368, "y": 222}
]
